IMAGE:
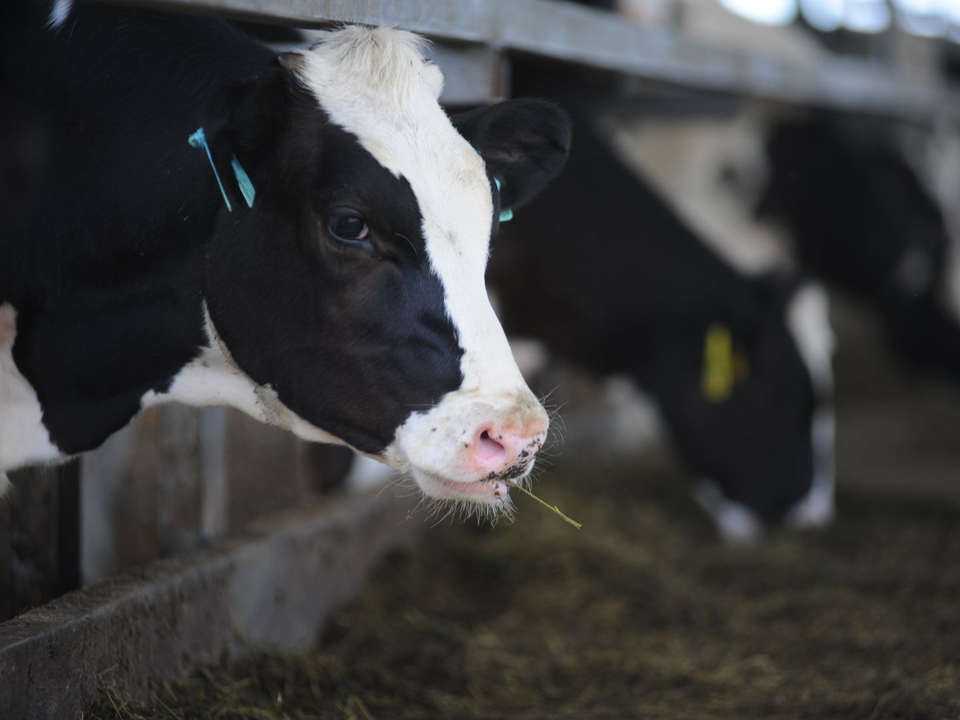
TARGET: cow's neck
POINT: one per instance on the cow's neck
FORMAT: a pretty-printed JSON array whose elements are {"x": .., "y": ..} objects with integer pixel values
[
  {"x": 76, "y": 365},
  {"x": 213, "y": 379},
  {"x": 101, "y": 280}
]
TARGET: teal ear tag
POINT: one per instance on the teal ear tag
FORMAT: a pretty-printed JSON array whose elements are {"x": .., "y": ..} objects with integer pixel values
[
  {"x": 507, "y": 214},
  {"x": 199, "y": 139},
  {"x": 243, "y": 180}
]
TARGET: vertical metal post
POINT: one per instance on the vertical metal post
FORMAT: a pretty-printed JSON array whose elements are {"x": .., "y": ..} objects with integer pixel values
[
  {"x": 6, "y": 557},
  {"x": 192, "y": 489},
  {"x": 68, "y": 528},
  {"x": 179, "y": 470},
  {"x": 214, "y": 483},
  {"x": 39, "y": 521}
]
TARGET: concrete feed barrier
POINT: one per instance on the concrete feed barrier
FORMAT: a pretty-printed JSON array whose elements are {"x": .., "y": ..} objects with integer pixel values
[{"x": 272, "y": 586}]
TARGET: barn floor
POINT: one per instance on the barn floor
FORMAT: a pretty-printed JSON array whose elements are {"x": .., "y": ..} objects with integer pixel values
[
  {"x": 643, "y": 613},
  {"x": 640, "y": 614}
]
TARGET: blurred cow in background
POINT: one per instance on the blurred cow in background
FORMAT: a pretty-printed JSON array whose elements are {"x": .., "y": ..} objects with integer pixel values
[
  {"x": 606, "y": 274},
  {"x": 860, "y": 218},
  {"x": 845, "y": 199}
]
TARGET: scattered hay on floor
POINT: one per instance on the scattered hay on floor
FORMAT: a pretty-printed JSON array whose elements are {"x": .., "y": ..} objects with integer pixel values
[{"x": 640, "y": 614}]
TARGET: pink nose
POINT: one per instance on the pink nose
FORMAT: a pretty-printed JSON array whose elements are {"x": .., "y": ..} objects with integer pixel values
[{"x": 494, "y": 451}]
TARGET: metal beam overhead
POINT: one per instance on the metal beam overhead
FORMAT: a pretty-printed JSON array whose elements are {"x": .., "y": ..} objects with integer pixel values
[{"x": 589, "y": 37}]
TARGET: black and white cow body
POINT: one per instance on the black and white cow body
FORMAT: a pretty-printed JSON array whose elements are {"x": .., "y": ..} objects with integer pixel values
[
  {"x": 346, "y": 304},
  {"x": 623, "y": 286},
  {"x": 860, "y": 218},
  {"x": 858, "y": 203}
]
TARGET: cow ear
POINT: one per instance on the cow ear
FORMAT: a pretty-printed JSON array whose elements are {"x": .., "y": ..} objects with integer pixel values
[
  {"x": 241, "y": 123},
  {"x": 524, "y": 144}
]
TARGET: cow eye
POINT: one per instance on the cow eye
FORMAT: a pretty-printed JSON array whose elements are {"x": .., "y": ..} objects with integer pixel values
[{"x": 351, "y": 229}]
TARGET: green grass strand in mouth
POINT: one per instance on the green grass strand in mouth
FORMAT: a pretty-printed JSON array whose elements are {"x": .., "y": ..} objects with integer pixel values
[{"x": 552, "y": 508}]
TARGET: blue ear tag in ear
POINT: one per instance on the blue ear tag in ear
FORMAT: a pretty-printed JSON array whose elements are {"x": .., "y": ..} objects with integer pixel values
[
  {"x": 507, "y": 214},
  {"x": 199, "y": 139},
  {"x": 243, "y": 180}
]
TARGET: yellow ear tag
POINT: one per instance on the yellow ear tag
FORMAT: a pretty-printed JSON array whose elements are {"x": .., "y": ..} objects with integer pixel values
[{"x": 718, "y": 377}]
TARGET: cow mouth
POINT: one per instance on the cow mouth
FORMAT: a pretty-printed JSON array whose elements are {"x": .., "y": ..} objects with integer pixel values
[
  {"x": 488, "y": 496},
  {"x": 488, "y": 491}
]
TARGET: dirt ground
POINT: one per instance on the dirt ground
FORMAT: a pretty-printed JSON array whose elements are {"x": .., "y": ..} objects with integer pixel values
[{"x": 642, "y": 613}]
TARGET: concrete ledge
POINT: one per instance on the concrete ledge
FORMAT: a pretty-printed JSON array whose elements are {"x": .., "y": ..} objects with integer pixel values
[{"x": 273, "y": 586}]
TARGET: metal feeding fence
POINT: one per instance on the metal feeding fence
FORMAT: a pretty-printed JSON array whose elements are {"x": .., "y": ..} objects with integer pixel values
[{"x": 182, "y": 480}]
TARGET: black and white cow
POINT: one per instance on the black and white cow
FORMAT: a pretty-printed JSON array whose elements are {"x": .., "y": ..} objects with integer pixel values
[
  {"x": 344, "y": 301},
  {"x": 851, "y": 201},
  {"x": 740, "y": 366},
  {"x": 860, "y": 218}
]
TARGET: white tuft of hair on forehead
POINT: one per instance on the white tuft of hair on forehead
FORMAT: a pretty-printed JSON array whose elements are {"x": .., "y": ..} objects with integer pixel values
[
  {"x": 376, "y": 84},
  {"x": 388, "y": 62}
]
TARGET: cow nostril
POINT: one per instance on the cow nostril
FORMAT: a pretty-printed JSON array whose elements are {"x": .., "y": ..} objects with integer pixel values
[{"x": 489, "y": 449}]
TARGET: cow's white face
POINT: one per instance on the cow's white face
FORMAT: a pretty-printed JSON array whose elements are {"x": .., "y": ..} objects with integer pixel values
[
  {"x": 491, "y": 425},
  {"x": 352, "y": 297}
]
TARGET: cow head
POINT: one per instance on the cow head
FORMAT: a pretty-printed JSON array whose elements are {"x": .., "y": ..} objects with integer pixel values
[
  {"x": 352, "y": 293},
  {"x": 761, "y": 435}
]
